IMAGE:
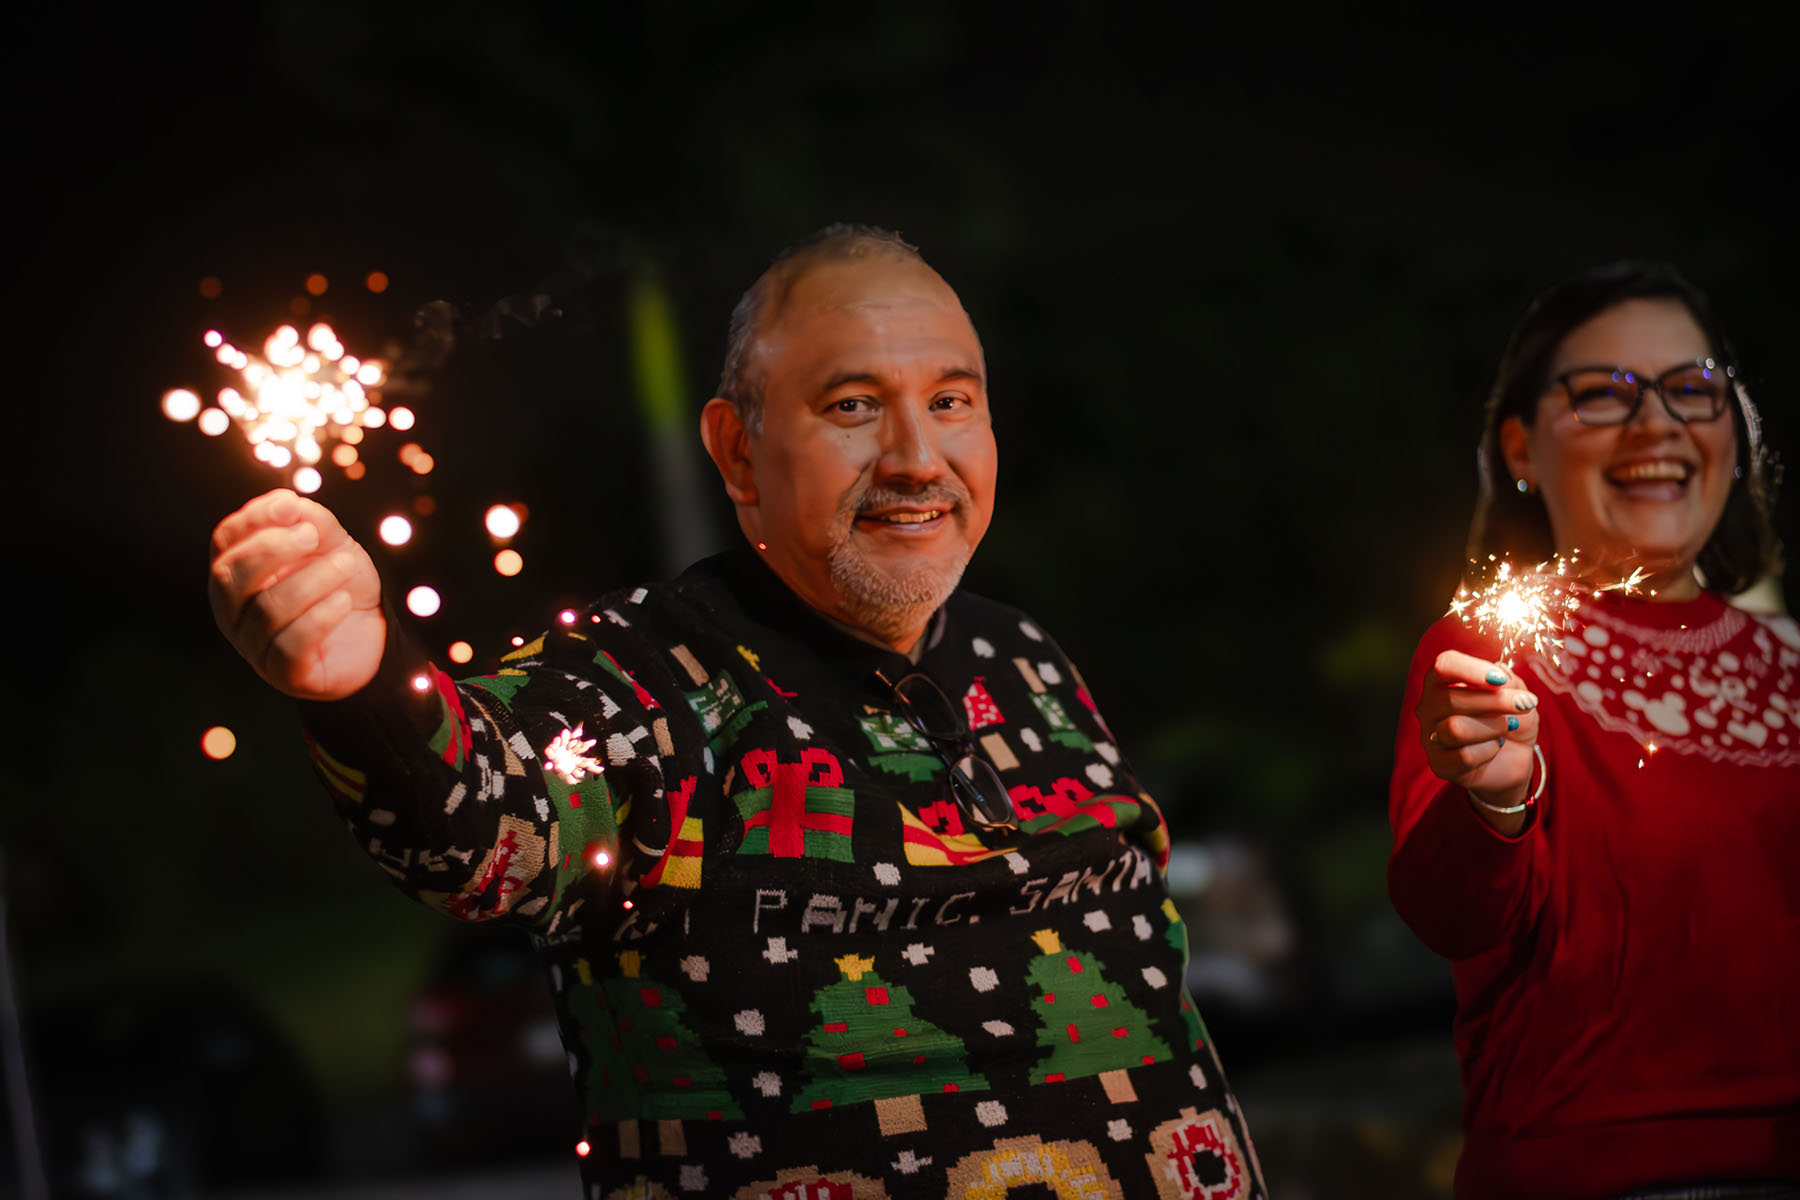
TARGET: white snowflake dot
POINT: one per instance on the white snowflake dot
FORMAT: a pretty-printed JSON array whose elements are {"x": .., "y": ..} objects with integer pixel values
[
  {"x": 991, "y": 1113},
  {"x": 768, "y": 1083},
  {"x": 1030, "y": 631},
  {"x": 1017, "y": 862},
  {"x": 693, "y": 1178},
  {"x": 1140, "y": 925},
  {"x": 1096, "y": 920},
  {"x": 1155, "y": 978},
  {"x": 745, "y": 1145},
  {"x": 1119, "y": 1130},
  {"x": 887, "y": 873},
  {"x": 749, "y": 1022},
  {"x": 1198, "y": 1076},
  {"x": 983, "y": 648},
  {"x": 998, "y": 1028},
  {"x": 1049, "y": 674},
  {"x": 984, "y": 979},
  {"x": 695, "y": 968}
]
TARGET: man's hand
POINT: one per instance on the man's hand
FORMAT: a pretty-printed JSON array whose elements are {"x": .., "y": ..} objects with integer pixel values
[
  {"x": 298, "y": 597},
  {"x": 1478, "y": 724}
]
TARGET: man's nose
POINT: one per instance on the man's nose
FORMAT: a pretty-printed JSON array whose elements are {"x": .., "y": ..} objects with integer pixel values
[{"x": 909, "y": 446}]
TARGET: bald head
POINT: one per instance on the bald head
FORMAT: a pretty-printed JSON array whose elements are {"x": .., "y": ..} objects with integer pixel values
[{"x": 742, "y": 380}]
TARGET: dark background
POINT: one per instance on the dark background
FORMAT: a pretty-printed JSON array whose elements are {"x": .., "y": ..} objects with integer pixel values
[{"x": 1242, "y": 278}]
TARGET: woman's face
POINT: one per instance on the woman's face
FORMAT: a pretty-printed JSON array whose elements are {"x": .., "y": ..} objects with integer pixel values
[{"x": 1647, "y": 493}]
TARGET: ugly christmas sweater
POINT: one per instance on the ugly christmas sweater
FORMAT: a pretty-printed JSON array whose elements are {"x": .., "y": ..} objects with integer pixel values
[
  {"x": 782, "y": 964},
  {"x": 1627, "y": 969}
]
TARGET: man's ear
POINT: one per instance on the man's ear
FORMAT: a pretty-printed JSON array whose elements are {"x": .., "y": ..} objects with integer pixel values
[
  {"x": 1515, "y": 447},
  {"x": 728, "y": 442}
]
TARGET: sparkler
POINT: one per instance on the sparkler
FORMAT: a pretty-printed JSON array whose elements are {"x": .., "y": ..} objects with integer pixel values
[
  {"x": 297, "y": 397},
  {"x": 1531, "y": 608}
]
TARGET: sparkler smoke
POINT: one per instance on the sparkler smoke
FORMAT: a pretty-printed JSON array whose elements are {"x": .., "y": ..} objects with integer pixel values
[{"x": 1530, "y": 609}]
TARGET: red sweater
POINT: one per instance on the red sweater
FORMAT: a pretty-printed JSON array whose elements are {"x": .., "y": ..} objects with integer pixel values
[{"x": 1627, "y": 969}]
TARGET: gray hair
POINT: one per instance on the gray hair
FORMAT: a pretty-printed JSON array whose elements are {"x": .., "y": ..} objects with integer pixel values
[{"x": 838, "y": 242}]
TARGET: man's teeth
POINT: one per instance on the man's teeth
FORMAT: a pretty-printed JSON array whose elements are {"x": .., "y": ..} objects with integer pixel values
[
  {"x": 911, "y": 518},
  {"x": 1650, "y": 472}
]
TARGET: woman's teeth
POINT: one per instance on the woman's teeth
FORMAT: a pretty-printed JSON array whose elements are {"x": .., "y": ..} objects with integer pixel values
[{"x": 1663, "y": 471}]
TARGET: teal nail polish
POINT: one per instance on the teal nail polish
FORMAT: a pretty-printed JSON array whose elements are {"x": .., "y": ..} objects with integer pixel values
[
  {"x": 1496, "y": 676},
  {"x": 1512, "y": 724}
]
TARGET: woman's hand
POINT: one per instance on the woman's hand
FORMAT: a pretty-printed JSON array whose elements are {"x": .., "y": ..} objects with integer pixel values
[
  {"x": 1479, "y": 724},
  {"x": 297, "y": 597}
]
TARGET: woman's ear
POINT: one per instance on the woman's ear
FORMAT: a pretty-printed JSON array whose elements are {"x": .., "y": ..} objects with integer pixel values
[
  {"x": 728, "y": 442},
  {"x": 1515, "y": 447}
]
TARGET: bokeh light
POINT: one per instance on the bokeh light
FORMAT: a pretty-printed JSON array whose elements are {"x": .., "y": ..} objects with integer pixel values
[
  {"x": 602, "y": 858},
  {"x": 180, "y": 405},
  {"x": 214, "y": 421},
  {"x": 566, "y": 616},
  {"x": 376, "y": 281},
  {"x": 424, "y": 505},
  {"x": 218, "y": 742},
  {"x": 461, "y": 652},
  {"x": 401, "y": 417},
  {"x": 355, "y": 471},
  {"x": 423, "y": 601},
  {"x": 307, "y": 480},
  {"x": 502, "y": 521},
  {"x": 343, "y": 455},
  {"x": 509, "y": 562},
  {"x": 316, "y": 284},
  {"x": 211, "y": 287},
  {"x": 421, "y": 683},
  {"x": 421, "y": 463},
  {"x": 395, "y": 530}
]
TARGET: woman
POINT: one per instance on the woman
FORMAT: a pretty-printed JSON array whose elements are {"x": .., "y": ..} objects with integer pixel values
[{"x": 1604, "y": 841}]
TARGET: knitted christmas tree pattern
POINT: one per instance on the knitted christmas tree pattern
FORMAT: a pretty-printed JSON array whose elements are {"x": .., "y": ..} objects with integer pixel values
[
  {"x": 899, "y": 748},
  {"x": 1089, "y": 1026},
  {"x": 722, "y": 710},
  {"x": 1062, "y": 729},
  {"x": 1196, "y": 1157},
  {"x": 870, "y": 1045},
  {"x": 645, "y": 1062}
]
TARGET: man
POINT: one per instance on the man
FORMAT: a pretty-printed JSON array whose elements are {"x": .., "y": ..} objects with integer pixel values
[{"x": 843, "y": 886}]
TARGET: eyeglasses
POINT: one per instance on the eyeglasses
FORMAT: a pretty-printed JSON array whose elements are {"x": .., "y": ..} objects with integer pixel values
[
  {"x": 973, "y": 781},
  {"x": 1695, "y": 391}
]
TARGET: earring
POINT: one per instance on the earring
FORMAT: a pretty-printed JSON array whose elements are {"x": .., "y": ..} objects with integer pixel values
[{"x": 1525, "y": 488}]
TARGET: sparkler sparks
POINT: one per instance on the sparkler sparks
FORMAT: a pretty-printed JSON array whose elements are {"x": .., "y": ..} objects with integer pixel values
[
  {"x": 1531, "y": 609},
  {"x": 567, "y": 756},
  {"x": 296, "y": 397}
]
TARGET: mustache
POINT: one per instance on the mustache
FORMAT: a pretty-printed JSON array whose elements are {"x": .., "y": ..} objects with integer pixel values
[{"x": 877, "y": 497}]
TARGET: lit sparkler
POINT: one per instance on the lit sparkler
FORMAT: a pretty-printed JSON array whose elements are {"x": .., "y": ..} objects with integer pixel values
[
  {"x": 1531, "y": 609},
  {"x": 567, "y": 756},
  {"x": 296, "y": 398}
]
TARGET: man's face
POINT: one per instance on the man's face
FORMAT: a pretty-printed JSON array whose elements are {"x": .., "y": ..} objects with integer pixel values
[{"x": 874, "y": 469}]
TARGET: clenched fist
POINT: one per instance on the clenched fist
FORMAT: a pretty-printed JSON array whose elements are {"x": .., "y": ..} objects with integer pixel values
[{"x": 298, "y": 597}]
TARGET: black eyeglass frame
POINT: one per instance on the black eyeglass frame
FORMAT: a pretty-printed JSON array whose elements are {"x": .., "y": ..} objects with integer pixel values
[
  {"x": 1626, "y": 375},
  {"x": 967, "y": 769}
]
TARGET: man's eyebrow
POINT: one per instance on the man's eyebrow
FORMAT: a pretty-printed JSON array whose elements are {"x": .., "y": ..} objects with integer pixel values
[{"x": 950, "y": 373}]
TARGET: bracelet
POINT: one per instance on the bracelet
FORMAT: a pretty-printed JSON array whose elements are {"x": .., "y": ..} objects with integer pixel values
[{"x": 1543, "y": 770}]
